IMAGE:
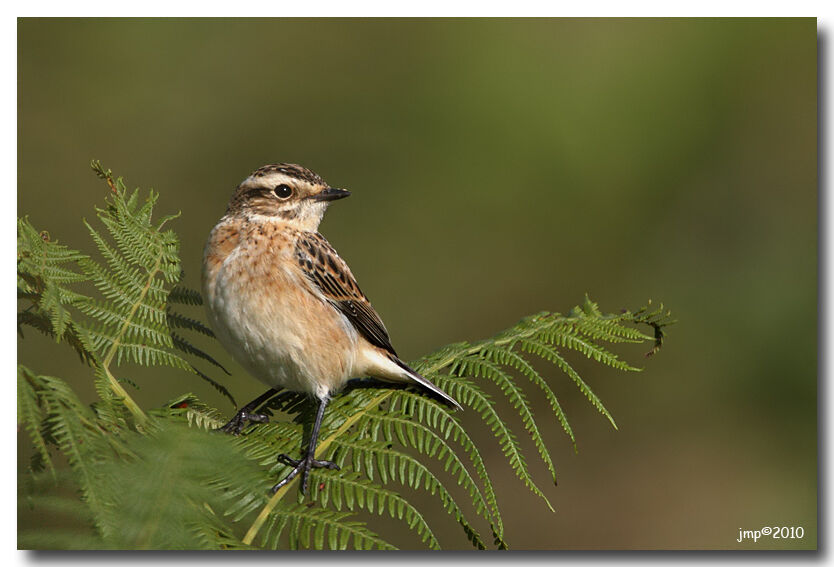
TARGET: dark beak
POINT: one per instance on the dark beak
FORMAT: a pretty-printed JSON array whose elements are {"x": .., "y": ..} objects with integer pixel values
[{"x": 330, "y": 194}]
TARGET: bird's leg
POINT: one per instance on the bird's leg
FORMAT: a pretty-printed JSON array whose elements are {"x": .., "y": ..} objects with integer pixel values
[
  {"x": 309, "y": 461},
  {"x": 246, "y": 414}
]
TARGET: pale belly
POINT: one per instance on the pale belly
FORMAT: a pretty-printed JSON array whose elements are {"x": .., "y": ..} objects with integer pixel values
[{"x": 280, "y": 333}]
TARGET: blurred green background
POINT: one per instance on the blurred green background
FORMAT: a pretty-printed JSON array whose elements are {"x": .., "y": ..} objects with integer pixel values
[{"x": 499, "y": 168}]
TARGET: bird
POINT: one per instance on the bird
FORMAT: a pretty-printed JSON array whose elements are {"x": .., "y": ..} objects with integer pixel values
[{"x": 287, "y": 307}]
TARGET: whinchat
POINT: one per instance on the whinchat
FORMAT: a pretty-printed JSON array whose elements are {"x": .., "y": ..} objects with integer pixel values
[{"x": 286, "y": 306}]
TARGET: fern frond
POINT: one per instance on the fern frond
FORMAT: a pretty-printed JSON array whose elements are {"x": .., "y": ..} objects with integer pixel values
[
  {"x": 658, "y": 319},
  {"x": 468, "y": 393},
  {"x": 72, "y": 335},
  {"x": 401, "y": 425},
  {"x": 44, "y": 272},
  {"x": 378, "y": 460},
  {"x": 308, "y": 527},
  {"x": 30, "y": 414},
  {"x": 178, "y": 321},
  {"x": 357, "y": 493},
  {"x": 196, "y": 412},
  {"x": 482, "y": 366},
  {"x": 73, "y": 428},
  {"x": 169, "y": 496},
  {"x": 550, "y": 354},
  {"x": 166, "y": 479},
  {"x": 128, "y": 319},
  {"x": 451, "y": 428},
  {"x": 185, "y": 296}
]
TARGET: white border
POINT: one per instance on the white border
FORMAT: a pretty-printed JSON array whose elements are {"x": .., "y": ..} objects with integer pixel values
[{"x": 8, "y": 38}]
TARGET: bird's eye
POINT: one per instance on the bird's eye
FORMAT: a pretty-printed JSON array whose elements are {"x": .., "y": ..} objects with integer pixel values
[{"x": 283, "y": 191}]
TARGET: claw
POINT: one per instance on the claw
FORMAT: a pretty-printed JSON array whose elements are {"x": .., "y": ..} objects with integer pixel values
[
  {"x": 241, "y": 418},
  {"x": 247, "y": 414},
  {"x": 302, "y": 466},
  {"x": 285, "y": 459}
]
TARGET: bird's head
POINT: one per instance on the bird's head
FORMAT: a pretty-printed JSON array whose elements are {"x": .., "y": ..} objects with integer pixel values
[{"x": 286, "y": 192}]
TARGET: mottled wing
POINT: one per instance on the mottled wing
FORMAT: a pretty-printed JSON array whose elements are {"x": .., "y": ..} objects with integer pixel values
[{"x": 333, "y": 278}]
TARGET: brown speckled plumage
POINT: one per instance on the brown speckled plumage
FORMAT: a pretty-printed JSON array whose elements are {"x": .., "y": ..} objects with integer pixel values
[{"x": 284, "y": 303}]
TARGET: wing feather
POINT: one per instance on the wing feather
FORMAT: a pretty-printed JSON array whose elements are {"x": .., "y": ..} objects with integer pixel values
[{"x": 333, "y": 278}]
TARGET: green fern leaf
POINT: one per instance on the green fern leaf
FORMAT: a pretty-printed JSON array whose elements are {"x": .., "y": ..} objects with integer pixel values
[{"x": 165, "y": 479}]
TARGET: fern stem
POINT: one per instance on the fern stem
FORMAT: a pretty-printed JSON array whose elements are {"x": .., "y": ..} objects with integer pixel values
[
  {"x": 121, "y": 393},
  {"x": 475, "y": 349},
  {"x": 117, "y": 388}
]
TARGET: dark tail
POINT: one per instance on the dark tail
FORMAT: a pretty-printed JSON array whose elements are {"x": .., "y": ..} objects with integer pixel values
[{"x": 426, "y": 383}]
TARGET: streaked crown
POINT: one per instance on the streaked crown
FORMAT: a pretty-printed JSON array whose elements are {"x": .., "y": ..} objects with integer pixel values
[{"x": 284, "y": 191}]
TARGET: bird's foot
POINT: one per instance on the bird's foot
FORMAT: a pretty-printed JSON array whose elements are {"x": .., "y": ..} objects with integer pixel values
[
  {"x": 241, "y": 418},
  {"x": 302, "y": 466}
]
